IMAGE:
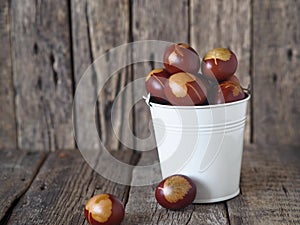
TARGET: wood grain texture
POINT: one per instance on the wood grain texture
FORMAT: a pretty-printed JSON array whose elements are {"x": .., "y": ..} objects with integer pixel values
[
  {"x": 142, "y": 207},
  {"x": 154, "y": 20},
  {"x": 276, "y": 54},
  {"x": 61, "y": 189},
  {"x": 42, "y": 74},
  {"x": 8, "y": 136},
  {"x": 82, "y": 58},
  {"x": 105, "y": 26},
  {"x": 18, "y": 169},
  {"x": 224, "y": 24},
  {"x": 107, "y": 30},
  {"x": 269, "y": 190},
  {"x": 270, "y": 186}
]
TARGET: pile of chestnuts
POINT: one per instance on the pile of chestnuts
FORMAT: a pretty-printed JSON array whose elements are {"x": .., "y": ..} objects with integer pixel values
[{"x": 181, "y": 84}]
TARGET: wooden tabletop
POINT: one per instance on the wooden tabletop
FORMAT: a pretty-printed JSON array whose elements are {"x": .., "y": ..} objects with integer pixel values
[{"x": 39, "y": 188}]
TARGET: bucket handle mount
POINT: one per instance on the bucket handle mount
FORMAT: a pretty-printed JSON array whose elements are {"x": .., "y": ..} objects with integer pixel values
[{"x": 147, "y": 99}]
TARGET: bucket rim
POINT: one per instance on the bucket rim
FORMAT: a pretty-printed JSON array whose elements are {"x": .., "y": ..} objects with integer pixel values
[{"x": 151, "y": 104}]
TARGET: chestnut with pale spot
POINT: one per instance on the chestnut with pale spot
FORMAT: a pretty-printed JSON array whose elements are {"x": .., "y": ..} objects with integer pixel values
[
  {"x": 219, "y": 63},
  {"x": 155, "y": 84},
  {"x": 185, "y": 89},
  {"x": 181, "y": 57},
  {"x": 104, "y": 209},
  {"x": 228, "y": 91},
  {"x": 175, "y": 192}
]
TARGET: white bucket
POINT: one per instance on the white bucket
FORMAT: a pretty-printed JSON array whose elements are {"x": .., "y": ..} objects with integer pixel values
[{"x": 204, "y": 143}]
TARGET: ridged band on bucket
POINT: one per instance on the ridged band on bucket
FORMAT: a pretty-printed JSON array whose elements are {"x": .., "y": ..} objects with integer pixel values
[{"x": 213, "y": 128}]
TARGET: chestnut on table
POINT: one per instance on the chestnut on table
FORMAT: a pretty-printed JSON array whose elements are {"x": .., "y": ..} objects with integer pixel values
[
  {"x": 104, "y": 209},
  {"x": 175, "y": 192}
]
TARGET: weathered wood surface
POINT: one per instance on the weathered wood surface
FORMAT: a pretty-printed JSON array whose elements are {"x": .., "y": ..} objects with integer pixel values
[
  {"x": 49, "y": 45},
  {"x": 61, "y": 188},
  {"x": 270, "y": 192},
  {"x": 154, "y": 20},
  {"x": 18, "y": 169},
  {"x": 218, "y": 24},
  {"x": 276, "y": 41},
  {"x": 42, "y": 74},
  {"x": 142, "y": 207},
  {"x": 270, "y": 186},
  {"x": 98, "y": 26},
  {"x": 8, "y": 136},
  {"x": 82, "y": 59}
]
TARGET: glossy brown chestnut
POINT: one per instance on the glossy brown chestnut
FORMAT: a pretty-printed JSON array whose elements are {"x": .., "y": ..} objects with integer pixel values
[
  {"x": 181, "y": 57},
  {"x": 104, "y": 209},
  {"x": 219, "y": 63},
  {"x": 175, "y": 192},
  {"x": 228, "y": 91},
  {"x": 185, "y": 89},
  {"x": 155, "y": 84}
]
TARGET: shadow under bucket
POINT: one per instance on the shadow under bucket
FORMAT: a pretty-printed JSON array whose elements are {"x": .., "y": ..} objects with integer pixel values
[{"x": 204, "y": 143}]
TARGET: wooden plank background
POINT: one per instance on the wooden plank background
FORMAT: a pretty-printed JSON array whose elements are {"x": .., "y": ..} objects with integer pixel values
[
  {"x": 276, "y": 54},
  {"x": 8, "y": 132},
  {"x": 94, "y": 32},
  {"x": 42, "y": 74},
  {"x": 47, "y": 45}
]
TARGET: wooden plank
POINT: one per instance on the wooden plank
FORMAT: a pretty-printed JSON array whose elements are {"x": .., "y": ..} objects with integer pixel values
[
  {"x": 81, "y": 60},
  {"x": 8, "y": 137},
  {"x": 142, "y": 207},
  {"x": 97, "y": 27},
  {"x": 110, "y": 33},
  {"x": 61, "y": 189},
  {"x": 42, "y": 74},
  {"x": 270, "y": 184},
  {"x": 154, "y": 20},
  {"x": 218, "y": 24},
  {"x": 18, "y": 169},
  {"x": 276, "y": 71}
]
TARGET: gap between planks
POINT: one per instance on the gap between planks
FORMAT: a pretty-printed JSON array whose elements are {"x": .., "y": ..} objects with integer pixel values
[{"x": 27, "y": 164}]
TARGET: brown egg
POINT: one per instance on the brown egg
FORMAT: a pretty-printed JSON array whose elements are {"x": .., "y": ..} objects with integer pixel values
[
  {"x": 234, "y": 79},
  {"x": 104, "y": 209},
  {"x": 227, "y": 91},
  {"x": 181, "y": 57},
  {"x": 175, "y": 192},
  {"x": 185, "y": 89},
  {"x": 155, "y": 85},
  {"x": 219, "y": 63}
]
